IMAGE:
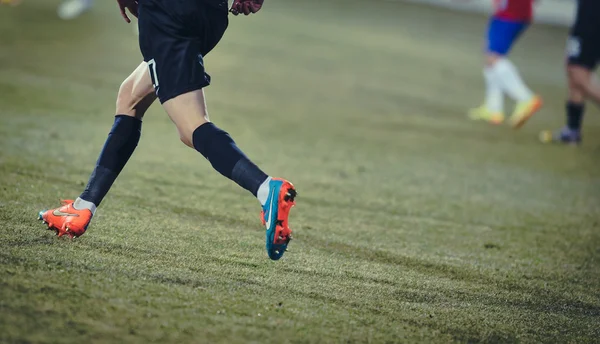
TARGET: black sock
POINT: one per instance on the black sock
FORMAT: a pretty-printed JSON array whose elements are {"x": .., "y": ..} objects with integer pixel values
[
  {"x": 120, "y": 144},
  {"x": 225, "y": 157},
  {"x": 574, "y": 115}
]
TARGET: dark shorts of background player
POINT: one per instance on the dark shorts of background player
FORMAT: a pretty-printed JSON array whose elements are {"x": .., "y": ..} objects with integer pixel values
[
  {"x": 583, "y": 45},
  {"x": 175, "y": 35}
]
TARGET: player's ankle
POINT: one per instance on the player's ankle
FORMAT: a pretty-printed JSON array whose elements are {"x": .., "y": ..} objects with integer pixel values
[
  {"x": 263, "y": 191},
  {"x": 81, "y": 204}
]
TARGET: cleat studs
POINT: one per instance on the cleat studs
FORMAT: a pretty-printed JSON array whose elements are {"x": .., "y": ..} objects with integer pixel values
[{"x": 276, "y": 251}]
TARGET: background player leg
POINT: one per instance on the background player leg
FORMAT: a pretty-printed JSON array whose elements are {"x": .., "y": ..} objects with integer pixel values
[
  {"x": 136, "y": 94},
  {"x": 492, "y": 109},
  {"x": 582, "y": 85},
  {"x": 583, "y": 55},
  {"x": 502, "y": 74}
]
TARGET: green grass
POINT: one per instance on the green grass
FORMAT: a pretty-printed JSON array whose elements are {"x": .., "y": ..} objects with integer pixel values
[{"x": 412, "y": 224}]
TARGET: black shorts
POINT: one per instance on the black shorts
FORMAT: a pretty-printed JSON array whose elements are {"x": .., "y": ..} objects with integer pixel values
[
  {"x": 175, "y": 35},
  {"x": 583, "y": 45}
]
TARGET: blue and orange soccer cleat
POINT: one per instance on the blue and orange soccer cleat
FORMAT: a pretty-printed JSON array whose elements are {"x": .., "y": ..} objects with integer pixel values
[
  {"x": 275, "y": 216},
  {"x": 66, "y": 219}
]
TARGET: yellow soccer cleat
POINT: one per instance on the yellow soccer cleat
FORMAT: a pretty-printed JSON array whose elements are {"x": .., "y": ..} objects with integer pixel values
[
  {"x": 482, "y": 113},
  {"x": 524, "y": 111}
]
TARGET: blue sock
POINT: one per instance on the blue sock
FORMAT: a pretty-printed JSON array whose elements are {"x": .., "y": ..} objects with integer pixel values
[
  {"x": 574, "y": 115},
  {"x": 225, "y": 157},
  {"x": 120, "y": 144}
]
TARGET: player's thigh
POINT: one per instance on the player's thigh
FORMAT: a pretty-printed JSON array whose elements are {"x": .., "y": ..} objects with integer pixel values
[
  {"x": 136, "y": 93},
  {"x": 188, "y": 112},
  {"x": 502, "y": 34}
]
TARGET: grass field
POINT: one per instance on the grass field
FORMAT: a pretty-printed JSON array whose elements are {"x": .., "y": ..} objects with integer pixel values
[{"x": 412, "y": 225}]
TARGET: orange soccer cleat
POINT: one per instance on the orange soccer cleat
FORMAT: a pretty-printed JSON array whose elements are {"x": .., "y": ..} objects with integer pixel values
[{"x": 66, "y": 219}]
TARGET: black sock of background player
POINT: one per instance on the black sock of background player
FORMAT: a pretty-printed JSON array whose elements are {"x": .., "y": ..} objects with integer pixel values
[
  {"x": 118, "y": 148},
  {"x": 574, "y": 115},
  {"x": 225, "y": 157}
]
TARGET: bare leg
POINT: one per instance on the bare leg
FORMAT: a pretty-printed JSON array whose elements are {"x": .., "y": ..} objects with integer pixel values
[
  {"x": 188, "y": 112},
  {"x": 582, "y": 84}
]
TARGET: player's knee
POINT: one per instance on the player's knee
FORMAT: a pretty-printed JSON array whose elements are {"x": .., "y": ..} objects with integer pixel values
[
  {"x": 125, "y": 101},
  {"x": 185, "y": 135},
  {"x": 186, "y": 139},
  {"x": 134, "y": 98},
  {"x": 579, "y": 77},
  {"x": 491, "y": 59}
]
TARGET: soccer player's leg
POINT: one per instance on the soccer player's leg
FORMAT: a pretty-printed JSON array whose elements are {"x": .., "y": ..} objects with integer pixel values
[
  {"x": 175, "y": 51},
  {"x": 583, "y": 57},
  {"x": 527, "y": 103},
  {"x": 492, "y": 110},
  {"x": 502, "y": 36},
  {"x": 135, "y": 96},
  {"x": 276, "y": 196}
]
